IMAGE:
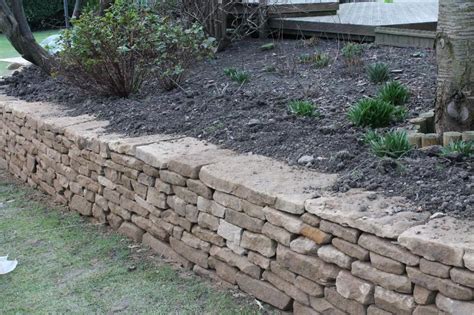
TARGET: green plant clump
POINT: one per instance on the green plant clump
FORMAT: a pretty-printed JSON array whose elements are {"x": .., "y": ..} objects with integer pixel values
[
  {"x": 378, "y": 72},
  {"x": 395, "y": 93},
  {"x": 392, "y": 144},
  {"x": 374, "y": 113},
  {"x": 352, "y": 54},
  {"x": 115, "y": 53},
  {"x": 239, "y": 76},
  {"x": 319, "y": 60},
  {"x": 269, "y": 46},
  {"x": 303, "y": 108},
  {"x": 464, "y": 148}
]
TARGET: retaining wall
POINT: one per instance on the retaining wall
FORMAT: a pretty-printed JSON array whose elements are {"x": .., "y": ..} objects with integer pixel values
[{"x": 272, "y": 230}]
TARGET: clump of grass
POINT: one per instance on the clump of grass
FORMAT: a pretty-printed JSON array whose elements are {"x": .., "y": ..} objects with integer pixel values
[
  {"x": 236, "y": 75},
  {"x": 378, "y": 72},
  {"x": 464, "y": 148},
  {"x": 395, "y": 93},
  {"x": 269, "y": 46},
  {"x": 374, "y": 113},
  {"x": 392, "y": 144},
  {"x": 352, "y": 54},
  {"x": 303, "y": 108},
  {"x": 319, "y": 60}
]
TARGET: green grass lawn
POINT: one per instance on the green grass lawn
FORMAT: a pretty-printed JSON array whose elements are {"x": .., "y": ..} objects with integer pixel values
[
  {"x": 68, "y": 265},
  {"x": 7, "y": 50}
]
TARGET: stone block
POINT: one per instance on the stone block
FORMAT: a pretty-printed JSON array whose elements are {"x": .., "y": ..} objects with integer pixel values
[
  {"x": 132, "y": 231},
  {"x": 454, "y": 307},
  {"x": 253, "y": 210},
  {"x": 287, "y": 287},
  {"x": 165, "y": 250},
  {"x": 388, "y": 249},
  {"x": 330, "y": 254},
  {"x": 434, "y": 268},
  {"x": 141, "y": 222},
  {"x": 310, "y": 287},
  {"x": 81, "y": 205},
  {"x": 132, "y": 206},
  {"x": 172, "y": 178},
  {"x": 354, "y": 288},
  {"x": 236, "y": 248},
  {"x": 163, "y": 187},
  {"x": 290, "y": 223},
  {"x": 192, "y": 213},
  {"x": 350, "y": 306},
  {"x": 224, "y": 271},
  {"x": 426, "y": 310},
  {"x": 278, "y": 234},
  {"x": 228, "y": 231},
  {"x": 310, "y": 219},
  {"x": 177, "y": 204},
  {"x": 387, "y": 280},
  {"x": 305, "y": 246},
  {"x": 259, "y": 243},
  {"x": 235, "y": 260},
  {"x": 208, "y": 236},
  {"x": 374, "y": 310},
  {"x": 423, "y": 296},
  {"x": 469, "y": 259},
  {"x": 156, "y": 198},
  {"x": 210, "y": 206},
  {"x": 282, "y": 272},
  {"x": 346, "y": 233},
  {"x": 244, "y": 221},
  {"x": 114, "y": 220},
  {"x": 462, "y": 276},
  {"x": 322, "y": 306},
  {"x": 228, "y": 200},
  {"x": 300, "y": 309},
  {"x": 186, "y": 194},
  {"x": 146, "y": 180},
  {"x": 351, "y": 249},
  {"x": 208, "y": 221},
  {"x": 263, "y": 291},
  {"x": 259, "y": 260},
  {"x": 193, "y": 241},
  {"x": 194, "y": 255},
  {"x": 315, "y": 234},
  {"x": 386, "y": 264},
  {"x": 394, "y": 302},
  {"x": 199, "y": 188}
]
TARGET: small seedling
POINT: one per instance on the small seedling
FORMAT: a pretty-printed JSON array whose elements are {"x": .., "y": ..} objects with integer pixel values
[
  {"x": 238, "y": 76},
  {"x": 352, "y": 54},
  {"x": 464, "y": 148},
  {"x": 269, "y": 46},
  {"x": 393, "y": 144},
  {"x": 378, "y": 72},
  {"x": 303, "y": 108},
  {"x": 319, "y": 60},
  {"x": 371, "y": 112},
  {"x": 395, "y": 93}
]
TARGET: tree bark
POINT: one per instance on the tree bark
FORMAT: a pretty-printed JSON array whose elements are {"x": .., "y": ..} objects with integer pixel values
[
  {"x": 14, "y": 25},
  {"x": 77, "y": 9},
  {"x": 455, "y": 55}
]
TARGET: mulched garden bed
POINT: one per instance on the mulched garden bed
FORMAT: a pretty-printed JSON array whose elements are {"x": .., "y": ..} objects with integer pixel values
[{"x": 254, "y": 117}]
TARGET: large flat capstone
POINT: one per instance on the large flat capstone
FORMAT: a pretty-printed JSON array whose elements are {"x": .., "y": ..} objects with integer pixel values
[
  {"x": 367, "y": 211},
  {"x": 446, "y": 240},
  {"x": 265, "y": 181}
]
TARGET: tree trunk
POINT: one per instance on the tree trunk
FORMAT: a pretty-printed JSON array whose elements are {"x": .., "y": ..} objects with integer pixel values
[
  {"x": 14, "y": 25},
  {"x": 455, "y": 53},
  {"x": 77, "y": 9}
]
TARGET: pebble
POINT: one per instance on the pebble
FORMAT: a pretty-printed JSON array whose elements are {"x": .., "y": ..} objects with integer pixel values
[{"x": 306, "y": 159}]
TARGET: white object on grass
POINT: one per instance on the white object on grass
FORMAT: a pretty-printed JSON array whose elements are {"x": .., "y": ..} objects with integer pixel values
[
  {"x": 6, "y": 265},
  {"x": 53, "y": 44}
]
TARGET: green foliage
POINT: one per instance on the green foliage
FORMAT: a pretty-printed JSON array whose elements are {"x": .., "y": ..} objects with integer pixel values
[
  {"x": 303, "y": 108},
  {"x": 115, "y": 53},
  {"x": 393, "y": 144},
  {"x": 352, "y": 54},
  {"x": 378, "y": 72},
  {"x": 239, "y": 76},
  {"x": 269, "y": 46},
  {"x": 464, "y": 148},
  {"x": 319, "y": 60},
  {"x": 395, "y": 93},
  {"x": 374, "y": 113}
]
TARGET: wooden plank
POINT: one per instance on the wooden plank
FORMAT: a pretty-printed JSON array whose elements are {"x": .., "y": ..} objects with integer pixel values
[
  {"x": 404, "y": 37},
  {"x": 320, "y": 27},
  {"x": 302, "y": 9}
]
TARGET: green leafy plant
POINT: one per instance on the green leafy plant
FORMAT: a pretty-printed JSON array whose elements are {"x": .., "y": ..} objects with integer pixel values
[
  {"x": 352, "y": 54},
  {"x": 239, "y": 76},
  {"x": 464, "y": 148},
  {"x": 378, "y": 72},
  {"x": 392, "y": 144},
  {"x": 395, "y": 93},
  {"x": 115, "y": 53},
  {"x": 269, "y": 46},
  {"x": 319, "y": 60},
  {"x": 374, "y": 113},
  {"x": 303, "y": 108}
]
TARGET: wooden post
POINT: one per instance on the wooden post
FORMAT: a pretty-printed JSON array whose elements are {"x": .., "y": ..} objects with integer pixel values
[{"x": 263, "y": 30}]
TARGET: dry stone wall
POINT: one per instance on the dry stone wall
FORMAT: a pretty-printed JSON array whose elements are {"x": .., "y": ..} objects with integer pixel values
[{"x": 248, "y": 221}]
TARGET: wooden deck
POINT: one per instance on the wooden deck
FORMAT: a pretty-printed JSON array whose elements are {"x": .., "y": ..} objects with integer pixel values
[{"x": 359, "y": 20}]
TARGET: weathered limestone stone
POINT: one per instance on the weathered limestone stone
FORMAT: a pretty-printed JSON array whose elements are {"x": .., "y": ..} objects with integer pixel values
[
  {"x": 394, "y": 302},
  {"x": 469, "y": 259},
  {"x": 160, "y": 154},
  {"x": 114, "y": 220},
  {"x": 290, "y": 223},
  {"x": 287, "y": 287},
  {"x": 199, "y": 188},
  {"x": 310, "y": 219},
  {"x": 235, "y": 260},
  {"x": 387, "y": 280},
  {"x": 186, "y": 194},
  {"x": 445, "y": 286},
  {"x": 310, "y": 267},
  {"x": 315, "y": 234},
  {"x": 208, "y": 221},
  {"x": 156, "y": 198},
  {"x": 236, "y": 248},
  {"x": 259, "y": 260},
  {"x": 322, "y": 306},
  {"x": 259, "y": 243},
  {"x": 304, "y": 246},
  {"x": 423, "y": 296},
  {"x": 106, "y": 182},
  {"x": 165, "y": 250},
  {"x": 172, "y": 178},
  {"x": 374, "y": 310},
  {"x": 141, "y": 222},
  {"x": 194, "y": 255},
  {"x": 330, "y": 254},
  {"x": 308, "y": 286},
  {"x": 223, "y": 270},
  {"x": 146, "y": 180},
  {"x": 242, "y": 220},
  {"x": 426, "y": 310},
  {"x": 454, "y": 307},
  {"x": 81, "y": 205},
  {"x": 300, "y": 309},
  {"x": 434, "y": 268},
  {"x": 192, "y": 213},
  {"x": 263, "y": 291},
  {"x": 264, "y": 181},
  {"x": 351, "y": 249},
  {"x": 444, "y": 240},
  {"x": 278, "y": 234},
  {"x": 128, "y": 145},
  {"x": 229, "y": 231},
  {"x": 354, "y": 288},
  {"x": 388, "y": 249},
  {"x": 227, "y": 200},
  {"x": 253, "y": 210},
  {"x": 386, "y": 264},
  {"x": 350, "y": 306},
  {"x": 163, "y": 187},
  {"x": 132, "y": 206},
  {"x": 210, "y": 206},
  {"x": 132, "y": 231},
  {"x": 463, "y": 276},
  {"x": 282, "y": 272},
  {"x": 208, "y": 236},
  {"x": 177, "y": 204},
  {"x": 361, "y": 210},
  {"x": 346, "y": 233},
  {"x": 195, "y": 242}
]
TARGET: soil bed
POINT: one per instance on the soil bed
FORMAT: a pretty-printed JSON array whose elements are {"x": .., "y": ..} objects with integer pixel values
[{"x": 254, "y": 117}]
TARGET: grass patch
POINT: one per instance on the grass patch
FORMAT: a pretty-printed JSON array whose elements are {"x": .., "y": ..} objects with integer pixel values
[
  {"x": 395, "y": 93},
  {"x": 239, "y": 76},
  {"x": 392, "y": 144},
  {"x": 352, "y": 54},
  {"x": 319, "y": 60},
  {"x": 374, "y": 113},
  {"x": 67, "y": 265},
  {"x": 303, "y": 108},
  {"x": 378, "y": 72},
  {"x": 269, "y": 46},
  {"x": 464, "y": 148}
]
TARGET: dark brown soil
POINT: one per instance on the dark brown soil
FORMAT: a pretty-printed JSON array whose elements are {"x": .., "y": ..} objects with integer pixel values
[{"x": 254, "y": 117}]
